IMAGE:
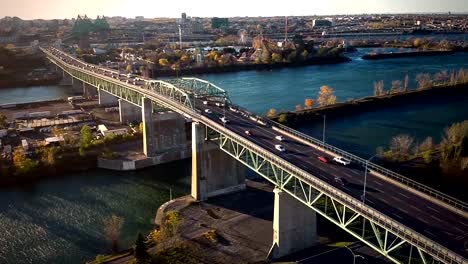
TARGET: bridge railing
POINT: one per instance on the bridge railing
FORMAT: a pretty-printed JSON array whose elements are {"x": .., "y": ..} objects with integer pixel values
[
  {"x": 457, "y": 204},
  {"x": 390, "y": 224}
]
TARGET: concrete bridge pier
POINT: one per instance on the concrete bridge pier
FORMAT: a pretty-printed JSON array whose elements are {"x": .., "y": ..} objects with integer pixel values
[
  {"x": 67, "y": 80},
  {"x": 129, "y": 113},
  {"x": 89, "y": 91},
  {"x": 107, "y": 99},
  {"x": 149, "y": 140},
  {"x": 294, "y": 226},
  {"x": 213, "y": 171}
]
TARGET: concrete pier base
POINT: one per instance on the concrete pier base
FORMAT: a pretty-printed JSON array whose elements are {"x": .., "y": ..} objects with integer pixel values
[
  {"x": 294, "y": 226},
  {"x": 213, "y": 171},
  {"x": 129, "y": 113},
  {"x": 107, "y": 99}
]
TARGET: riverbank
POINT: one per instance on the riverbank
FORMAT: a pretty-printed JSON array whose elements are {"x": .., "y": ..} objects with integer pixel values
[
  {"x": 249, "y": 67},
  {"x": 28, "y": 83},
  {"x": 382, "y": 56},
  {"x": 365, "y": 104}
]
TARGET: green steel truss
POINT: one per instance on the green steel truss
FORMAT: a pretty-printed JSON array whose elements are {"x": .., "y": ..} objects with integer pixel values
[
  {"x": 128, "y": 92},
  {"x": 386, "y": 236},
  {"x": 393, "y": 240},
  {"x": 200, "y": 87}
]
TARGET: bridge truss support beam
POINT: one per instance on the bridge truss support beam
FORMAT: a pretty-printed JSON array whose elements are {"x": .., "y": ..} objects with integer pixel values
[
  {"x": 149, "y": 140},
  {"x": 294, "y": 226},
  {"x": 213, "y": 171},
  {"x": 106, "y": 98},
  {"x": 129, "y": 113}
]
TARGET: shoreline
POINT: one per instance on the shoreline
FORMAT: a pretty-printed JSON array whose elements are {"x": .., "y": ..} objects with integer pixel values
[
  {"x": 370, "y": 103},
  {"x": 248, "y": 67},
  {"x": 383, "y": 56}
]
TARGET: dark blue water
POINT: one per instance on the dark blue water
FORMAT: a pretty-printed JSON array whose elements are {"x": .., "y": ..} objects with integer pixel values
[{"x": 282, "y": 89}]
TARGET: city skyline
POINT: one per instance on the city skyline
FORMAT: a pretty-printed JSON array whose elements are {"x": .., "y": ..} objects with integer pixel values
[{"x": 55, "y": 9}]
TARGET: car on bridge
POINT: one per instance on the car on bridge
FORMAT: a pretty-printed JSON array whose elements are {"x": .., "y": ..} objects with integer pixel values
[
  {"x": 248, "y": 133},
  {"x": 324, "y": 159},
  {"x": 341, "y": 181},
  {"x": 342, "y": 161},
  {"x": 208, "y": 111},
  {"x": 280, "y": 148},
  {"x": 280, "y": 138},
  {"x": 224, "y": 120}
]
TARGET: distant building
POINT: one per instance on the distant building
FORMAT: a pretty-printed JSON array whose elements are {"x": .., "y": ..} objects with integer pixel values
[
  {"x": 139, "y": 18},
  {"x": 219, "y": 23},
  {"x": 321, "y": 23}
]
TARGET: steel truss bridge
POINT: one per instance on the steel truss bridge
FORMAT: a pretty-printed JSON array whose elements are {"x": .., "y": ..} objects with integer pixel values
[{"x": 388, "y": 235}]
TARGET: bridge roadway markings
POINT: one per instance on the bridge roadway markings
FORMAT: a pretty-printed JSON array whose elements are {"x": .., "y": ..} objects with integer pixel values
[
  {"x": 314, "y": 166},
  {"x": 264, "y": 137}
]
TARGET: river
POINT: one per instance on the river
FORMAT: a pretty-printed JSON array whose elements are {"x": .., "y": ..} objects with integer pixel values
[{"x": 61, "y": 220}]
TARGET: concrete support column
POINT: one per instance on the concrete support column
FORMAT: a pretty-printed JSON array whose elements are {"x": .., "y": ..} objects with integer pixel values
[
  {"x": 149, "y": 137},
  {"x": 213, "y": 171},
  {"x": 89, "y": 91},
  {"x": 294, "y": 225},
  {"x": 106, "y": 98},
  {"x": 128, "y": 112},
  {"x": 170, "y": 131},
  {"x": 67, "y": 80}
]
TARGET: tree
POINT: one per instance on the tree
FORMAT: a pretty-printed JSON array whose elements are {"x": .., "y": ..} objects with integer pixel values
[
  {"x": 23, "y": 165},
  {"x": 112, "y": 227},
  {"x": 396, "y": 86},
  {"x": 379, "y": 88},
  {"x": 129, "y": 68},
  {"x": 305, "y": 55},
  {"x": 163, "y": 62},
  {"x": 326, "y": 96},
  {"x": 3, "y": 121},
  {"x": 276, "y": 58},
  {"x": 298, "y": 107},
  {"x": 309, "y": 103},
  {"x": 418, "y": 43},
  {"x": 401, "y": 145},
  {"x": 271, "y": 113},
  {"x": 283, "y": 118},
  {"x": 424, "y": 80},
  {"x": 426, "y": 145},
  {"x": 86, "y": 137},
  {"x": 140, "y": 249},
  {"x": 405, "y": 85}
]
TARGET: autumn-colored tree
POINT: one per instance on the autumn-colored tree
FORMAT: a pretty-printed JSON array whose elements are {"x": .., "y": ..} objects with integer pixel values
[
  {"x": 309, "y": 103},
  {"x": 298, "y": 107},
  {"x": 424, "y": 81},
  {"x": 271, "y": 113},
  {"x": 112, "y": 228},
  {"x": 326, "y": 96},
  {"x": 396, "y": 86},
  {"x": 276, "y": 58},
  {"x": 283, "y": 118},
  {"x": 163, "y": 62},
  {"x": 21, "y": 163},
  {"x": 3, "y": 121},
  {"x": 418, "y": 43},
  {"x": 400, "y": 146}
]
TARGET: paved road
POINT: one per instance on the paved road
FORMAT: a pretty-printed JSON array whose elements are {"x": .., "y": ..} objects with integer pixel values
[{"x": 427, "y": 218}]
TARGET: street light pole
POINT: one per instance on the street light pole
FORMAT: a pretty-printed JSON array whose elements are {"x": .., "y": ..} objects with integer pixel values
[
  {"x": 323, "y": 132},
  {"x": 363, "y": 197}
]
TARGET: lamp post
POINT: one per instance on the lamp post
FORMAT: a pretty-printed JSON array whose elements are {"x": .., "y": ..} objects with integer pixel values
[
  {"x": 323, "y": 133},
  {"x": 354, "y": 255},
  {"x": 363, "y": 196}
]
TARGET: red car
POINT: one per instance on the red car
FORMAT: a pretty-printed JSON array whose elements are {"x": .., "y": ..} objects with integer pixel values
[{"x": 324, "y": 159}]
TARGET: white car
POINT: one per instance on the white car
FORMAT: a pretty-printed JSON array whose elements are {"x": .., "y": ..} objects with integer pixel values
[
  {"x": 219, "y": 104},
  {"x": 280, "y": 138},
  {"x": 224, "y": 120},
  {"x": 341, "y": 160},
  {"x": 280, "y": 148},
  {"x": 208, "y": 111},
  {"x": 205, "y": 102}
]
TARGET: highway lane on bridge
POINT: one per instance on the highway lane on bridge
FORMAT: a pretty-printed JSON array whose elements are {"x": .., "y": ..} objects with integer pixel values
[{"x": 425, "y": 217}]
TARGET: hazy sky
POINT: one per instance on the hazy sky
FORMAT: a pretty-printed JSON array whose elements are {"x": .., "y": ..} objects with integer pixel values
[{"x": 29, "y": 9}]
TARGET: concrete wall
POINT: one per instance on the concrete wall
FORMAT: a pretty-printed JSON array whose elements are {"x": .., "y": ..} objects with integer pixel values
[
  {"x": 170, "y": 131},
  {"x": 213, "y": 171},
  {"x": 294, "y": 225}
]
